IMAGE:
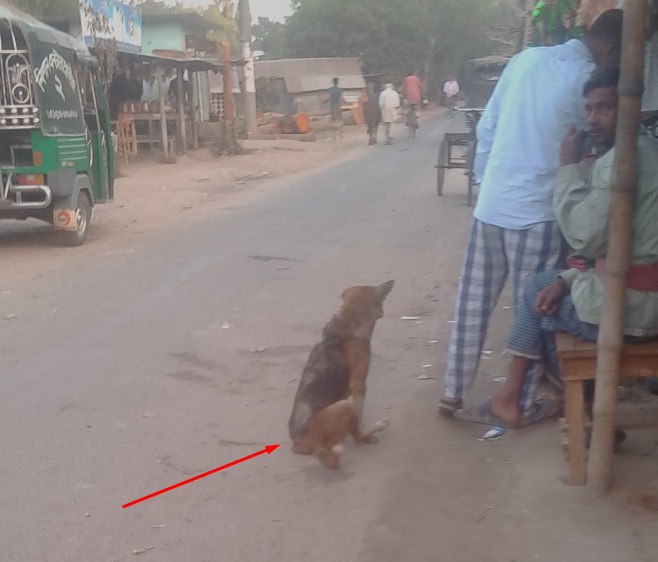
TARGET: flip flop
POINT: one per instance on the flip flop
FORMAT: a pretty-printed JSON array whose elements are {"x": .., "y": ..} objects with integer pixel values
[
  {"x": 449, "y": 408},
  {"x": 484, "y": 415}
]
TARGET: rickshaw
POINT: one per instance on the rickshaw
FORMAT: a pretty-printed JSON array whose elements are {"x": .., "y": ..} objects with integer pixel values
[
  {"x": 56, "y": 154},
  {"x": 457, "y": 150}
]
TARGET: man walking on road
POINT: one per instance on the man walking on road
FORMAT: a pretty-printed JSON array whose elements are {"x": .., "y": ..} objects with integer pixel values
[
  {"x": 389, "y": 101},
  {"x": 514, "y": 233},
  {"x": 450, "y": 93},
  {"x": 335, "y": 102}
]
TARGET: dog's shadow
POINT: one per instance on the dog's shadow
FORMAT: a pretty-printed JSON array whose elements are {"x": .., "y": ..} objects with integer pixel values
[{"x": 319, "y": 473}]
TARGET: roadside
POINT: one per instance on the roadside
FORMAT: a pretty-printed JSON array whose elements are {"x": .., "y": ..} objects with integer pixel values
[{"x": 151, "y": 197}]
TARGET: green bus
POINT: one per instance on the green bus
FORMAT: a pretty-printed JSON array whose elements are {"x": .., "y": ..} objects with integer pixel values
[{"x": 56, "y": 153}]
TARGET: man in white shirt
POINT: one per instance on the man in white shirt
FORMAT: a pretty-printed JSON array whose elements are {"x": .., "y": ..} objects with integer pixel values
[
  {"x": 514, "y": 233},
  {"x": 450, "y": 92},
  {"x": 150, "y": 89},
  {"x": 389, "y": 101}
]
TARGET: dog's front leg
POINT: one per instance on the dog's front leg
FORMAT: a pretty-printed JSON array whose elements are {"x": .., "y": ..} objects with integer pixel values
[{"x": 358, "y": 394}]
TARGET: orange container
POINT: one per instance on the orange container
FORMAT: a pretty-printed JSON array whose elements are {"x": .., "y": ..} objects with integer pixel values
[{"x": 303, "y": 123}]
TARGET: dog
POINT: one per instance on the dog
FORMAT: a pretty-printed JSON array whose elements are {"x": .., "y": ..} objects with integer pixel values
[{"x": 328, "y": 405}]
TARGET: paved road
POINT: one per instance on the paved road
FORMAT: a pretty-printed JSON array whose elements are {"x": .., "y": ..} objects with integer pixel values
[{"x": 134, "y": 373}]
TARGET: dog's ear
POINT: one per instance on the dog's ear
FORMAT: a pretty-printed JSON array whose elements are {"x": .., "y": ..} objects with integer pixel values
[{"x": 382, "y": 291}]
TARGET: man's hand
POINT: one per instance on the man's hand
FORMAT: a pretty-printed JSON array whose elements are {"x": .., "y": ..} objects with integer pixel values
[
  {"x": 548, "y": 299},
  {"x": 572, "y": 147}
]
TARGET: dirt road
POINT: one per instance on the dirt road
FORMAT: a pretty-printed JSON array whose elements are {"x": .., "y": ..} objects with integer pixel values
[{"x": 157, "y": 352}]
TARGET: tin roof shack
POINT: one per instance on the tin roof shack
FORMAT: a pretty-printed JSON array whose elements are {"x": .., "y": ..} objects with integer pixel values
[{"x": 300, "y": 85}]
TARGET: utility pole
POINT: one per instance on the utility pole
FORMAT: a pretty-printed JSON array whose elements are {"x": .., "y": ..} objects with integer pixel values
[{"x": 248, "y": 68}]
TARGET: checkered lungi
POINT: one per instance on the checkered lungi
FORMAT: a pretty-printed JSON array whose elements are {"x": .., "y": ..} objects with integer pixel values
[
  {"x": 533, "y": 335},
  {"x": 492, "y": 255}
]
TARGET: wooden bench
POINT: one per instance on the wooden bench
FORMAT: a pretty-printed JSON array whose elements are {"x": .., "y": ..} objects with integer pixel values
[{"x": 577, "y": 360}]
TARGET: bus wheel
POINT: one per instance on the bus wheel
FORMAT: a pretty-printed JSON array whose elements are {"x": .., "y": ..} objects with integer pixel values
[{"x": 78, "y": 236}]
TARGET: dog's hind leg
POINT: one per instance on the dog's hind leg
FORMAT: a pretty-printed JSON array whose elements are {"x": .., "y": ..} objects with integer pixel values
[{"x": 330, "y": 428}]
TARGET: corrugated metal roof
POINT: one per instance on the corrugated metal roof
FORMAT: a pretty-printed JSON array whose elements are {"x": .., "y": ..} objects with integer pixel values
[{"x": 312, "y": 75}]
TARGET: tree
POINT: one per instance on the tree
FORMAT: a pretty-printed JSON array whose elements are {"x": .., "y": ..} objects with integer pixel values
[
  {"x": 270, "y": 38},
  {"x": 48, "y": 9},
  {"x": 395, "y": 36}
]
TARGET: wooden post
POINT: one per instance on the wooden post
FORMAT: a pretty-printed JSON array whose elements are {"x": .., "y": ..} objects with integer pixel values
[
  {"x": 163, "y": 111},
  {"x": 228, "y": 94},
  {"x": 230, "y": 141},
  {"x": 622, "y": 186},
  {"x": 180, "y": 117},
  {"x": 194, "y": 102}
]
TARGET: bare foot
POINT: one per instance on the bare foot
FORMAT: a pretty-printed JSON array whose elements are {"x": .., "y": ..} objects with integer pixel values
[{"x": 506, "y": 411}]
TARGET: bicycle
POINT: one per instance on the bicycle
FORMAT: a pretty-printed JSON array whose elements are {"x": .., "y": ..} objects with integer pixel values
[{"x": 411, "y": 118}]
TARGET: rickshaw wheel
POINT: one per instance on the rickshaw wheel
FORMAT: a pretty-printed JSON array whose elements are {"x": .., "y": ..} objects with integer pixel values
[
  {"x": 441, "y": 168},
  {"x": 78, "y": 236}
]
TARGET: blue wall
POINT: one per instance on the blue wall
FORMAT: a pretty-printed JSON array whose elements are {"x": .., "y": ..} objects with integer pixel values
[{"x": 169, "y": 36}]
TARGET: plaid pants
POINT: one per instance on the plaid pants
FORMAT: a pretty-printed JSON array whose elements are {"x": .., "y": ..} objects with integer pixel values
[{"x": 492, "y": 255}]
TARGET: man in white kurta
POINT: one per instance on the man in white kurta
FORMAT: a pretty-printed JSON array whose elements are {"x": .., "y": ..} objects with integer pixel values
[{"x": 389, "y": 101}]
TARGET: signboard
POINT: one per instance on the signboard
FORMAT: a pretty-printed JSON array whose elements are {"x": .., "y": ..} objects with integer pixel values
[
  {"x": 109, "y": 19},
  {"x": 56, "y": 88}
]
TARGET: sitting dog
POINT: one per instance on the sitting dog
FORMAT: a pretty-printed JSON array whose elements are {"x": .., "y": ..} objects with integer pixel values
[{"x": 322, "y": 416}]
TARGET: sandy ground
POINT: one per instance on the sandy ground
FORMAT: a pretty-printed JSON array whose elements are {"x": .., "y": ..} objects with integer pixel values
[{"x": 174, "y": 339}]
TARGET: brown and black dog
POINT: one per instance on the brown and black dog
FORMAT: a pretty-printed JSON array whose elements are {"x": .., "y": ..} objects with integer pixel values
[{"x": 322, "y": 416}]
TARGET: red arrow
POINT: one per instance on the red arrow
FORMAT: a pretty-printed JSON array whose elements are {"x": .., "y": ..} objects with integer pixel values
[{"x": 268, "y": 449}]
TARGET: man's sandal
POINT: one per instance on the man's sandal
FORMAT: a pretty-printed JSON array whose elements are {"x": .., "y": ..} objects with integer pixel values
[
  {"x": 484, "y": 415},
  {"x": 449, "y": 406}
]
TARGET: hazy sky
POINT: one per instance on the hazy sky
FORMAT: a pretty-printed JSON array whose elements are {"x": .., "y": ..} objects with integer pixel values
[{"x": 273, "y": 9}]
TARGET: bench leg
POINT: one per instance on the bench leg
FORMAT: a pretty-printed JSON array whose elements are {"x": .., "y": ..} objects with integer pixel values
[{"x": 575, "y": 415}]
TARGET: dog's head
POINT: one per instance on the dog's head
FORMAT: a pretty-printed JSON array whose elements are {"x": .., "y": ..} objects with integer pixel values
[{"x": 363, "y": 305}]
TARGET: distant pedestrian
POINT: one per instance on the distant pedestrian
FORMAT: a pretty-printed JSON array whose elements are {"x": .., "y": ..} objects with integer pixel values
[
  {"x": 412, "y": 91},
  {"x": 389, "y": 101},
  {"x": 450, "y": 94},
  {"x": 335, "y": 103}
]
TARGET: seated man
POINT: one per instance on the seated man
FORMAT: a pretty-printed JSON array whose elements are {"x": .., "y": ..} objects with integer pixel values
[{"x": 570, "y": 301}]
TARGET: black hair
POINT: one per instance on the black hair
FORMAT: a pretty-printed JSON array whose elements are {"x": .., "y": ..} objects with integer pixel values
[
  {"x": 336, "y": 80},
  {"x": 603, "y": 77},
  {"x": 607, "y": 28}
]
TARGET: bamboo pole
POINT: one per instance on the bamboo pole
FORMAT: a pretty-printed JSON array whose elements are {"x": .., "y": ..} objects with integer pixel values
[
  {"x": 180, "y": 118},
  {"x": 194, "y": 108},
  {"x": 622, "y": 186},
  {"x": 228, "y": 93}
]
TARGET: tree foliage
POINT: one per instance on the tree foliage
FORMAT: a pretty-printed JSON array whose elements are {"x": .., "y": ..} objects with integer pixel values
[
  {"x": 48, "y": 9},
  {"x": 392, "y": 37},
  {"x": 270, "y": 38}
]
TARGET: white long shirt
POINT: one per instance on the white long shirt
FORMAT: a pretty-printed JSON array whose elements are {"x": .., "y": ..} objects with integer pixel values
[
  {"x": 389, "y": 101},
  {"x": 451, "y": 88},
  {"x": 538, "y": 97}
]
